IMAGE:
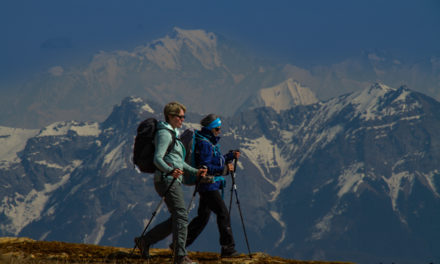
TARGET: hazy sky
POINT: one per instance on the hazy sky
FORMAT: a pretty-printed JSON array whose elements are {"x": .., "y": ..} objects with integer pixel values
[{"x": 36, "y": 34}]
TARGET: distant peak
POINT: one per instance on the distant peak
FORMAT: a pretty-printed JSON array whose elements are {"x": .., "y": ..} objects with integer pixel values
[
  {"x": 166, "y": 52},
  {"x": 381, "y": 100},
  {"x": 195, "y": 34},
  {"x": 139, "y": 104},
  {"x": 381, "y": 87},
  {"x": 286, "y": 95}
]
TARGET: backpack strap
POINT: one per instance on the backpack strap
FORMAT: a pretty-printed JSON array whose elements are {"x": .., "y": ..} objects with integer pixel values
[
  {"x": 193, "y": 146},
  {"x": 173, "y": 140}
]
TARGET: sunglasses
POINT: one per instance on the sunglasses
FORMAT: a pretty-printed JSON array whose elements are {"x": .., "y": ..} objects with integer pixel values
[
  {"x": 180, "y": 116},
  {"x": 217, "y": 128}
]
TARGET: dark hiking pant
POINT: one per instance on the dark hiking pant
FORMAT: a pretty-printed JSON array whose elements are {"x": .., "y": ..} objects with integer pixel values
[
  {"x": 212, "y": 201},
  {"x": 177, "y": 223}
]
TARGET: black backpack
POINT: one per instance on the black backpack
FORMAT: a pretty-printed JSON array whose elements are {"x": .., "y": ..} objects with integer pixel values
[
  {"x": 143, "y": 150},
  {"x": 188, "y": 140}
]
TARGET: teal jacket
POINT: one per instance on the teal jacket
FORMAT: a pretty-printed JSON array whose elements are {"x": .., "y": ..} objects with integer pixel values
[{"x": 175, "y": 159}]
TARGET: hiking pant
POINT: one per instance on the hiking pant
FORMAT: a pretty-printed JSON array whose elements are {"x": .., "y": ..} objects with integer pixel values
[
  {"x": 212, "y": 201},
  {"x": 177, "y": 223}
]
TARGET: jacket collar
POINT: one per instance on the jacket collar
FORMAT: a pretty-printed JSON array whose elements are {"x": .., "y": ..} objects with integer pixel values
[
  {"x": 209, "y": 135},
  {"x": 162, "y": 125}
]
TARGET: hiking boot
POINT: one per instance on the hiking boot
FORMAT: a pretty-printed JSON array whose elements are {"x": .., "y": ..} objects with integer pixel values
[
  {"x": 184, "y": 260},
  {"x": 143, "y": 247},
  {"x": 229, "y": 253}
]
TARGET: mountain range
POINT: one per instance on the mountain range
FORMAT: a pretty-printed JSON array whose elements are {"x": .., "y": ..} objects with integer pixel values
[
  {"x": 352, "y": 178},
  {"x": 205, "y": 70}
]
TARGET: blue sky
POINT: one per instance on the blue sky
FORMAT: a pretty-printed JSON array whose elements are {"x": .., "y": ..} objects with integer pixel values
[{"x": 39, "y": 34}]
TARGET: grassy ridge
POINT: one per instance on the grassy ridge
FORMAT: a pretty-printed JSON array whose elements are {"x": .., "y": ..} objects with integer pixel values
[{"x": 25, "y": 250}]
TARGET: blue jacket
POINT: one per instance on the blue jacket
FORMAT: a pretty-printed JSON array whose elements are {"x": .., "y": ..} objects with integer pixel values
[{"x": 207, "y": 152}]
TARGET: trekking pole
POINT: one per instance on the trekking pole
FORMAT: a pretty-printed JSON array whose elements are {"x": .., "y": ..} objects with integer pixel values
[
  {"x": 192, "y": 198},
  {"x": 196, "y": 188},
  {"x": 232, "y": 187},
  {"x": 238, "y": 205},
  {"x": 155, "y": 212}
]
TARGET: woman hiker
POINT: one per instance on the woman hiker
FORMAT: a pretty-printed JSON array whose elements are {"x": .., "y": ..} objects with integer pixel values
[
  {"x": 170, "y": 165},
  {"x": 207, "y": 153}
]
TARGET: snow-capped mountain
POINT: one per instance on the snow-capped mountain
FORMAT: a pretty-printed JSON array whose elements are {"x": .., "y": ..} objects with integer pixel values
[
  {"x": 353, "y": 178},
  {"x": 358, "y": 72},
  {"x": 166, "y": 52},
  {"x": 361, "y": 176},
  {"x": 198, "y": 67},
  {"x": 202, "y": 69},
  {"x": 281, "y": 97}
]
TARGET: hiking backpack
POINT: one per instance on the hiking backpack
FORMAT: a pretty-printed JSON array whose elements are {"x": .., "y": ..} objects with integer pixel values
[
  {"x": 143, "y": 150},
  {"x": 188, "y": 140}
]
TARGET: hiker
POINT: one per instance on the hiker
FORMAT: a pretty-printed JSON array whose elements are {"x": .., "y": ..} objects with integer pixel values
[
  {"x": 207, "y": 152},
  {"x": 169, "y": 165}
]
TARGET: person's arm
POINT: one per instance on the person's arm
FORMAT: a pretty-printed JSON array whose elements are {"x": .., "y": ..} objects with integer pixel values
[
  {"x": 162, "y": 140},
  {"x": 187, "y": 168}
]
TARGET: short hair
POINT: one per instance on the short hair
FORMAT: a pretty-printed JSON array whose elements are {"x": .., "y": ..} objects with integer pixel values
[
  {"x": 173, "y": 108},
  {"x": 208, "y": 120}
]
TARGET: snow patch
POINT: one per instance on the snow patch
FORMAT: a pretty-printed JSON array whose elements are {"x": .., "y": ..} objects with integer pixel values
[
  {"x": 69, "y": 168},
  {"x": 323, "y": 225},
  {"x": 49, "y": 165},
  {"x": 12, "y": 141},
  {"x": 43, "y": 236},
  {"x": 135, "y": 99},
  {"x": 395, "y": 184},
  {"x": 431, "y": 181},
  {"x": 266, "y": 156},
  {"x": 350, "y": 179},
  {"x": 147, "y": 108},
  {"x": 62, "y": 128},
  {"x": 114, "y": 159},
  {"x": 24, "y": 209},
  {"x": 277, "y": 217},
  {"x": 99, "y": 230}
]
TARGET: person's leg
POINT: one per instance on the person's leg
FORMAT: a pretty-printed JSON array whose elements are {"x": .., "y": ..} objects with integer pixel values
[
  {"x": 176, "y": 224},
  {"x": 197, "y": 225},
  {"x": 160, "y": 231},
  {"x": 176, "y": 205},
  {"x": 217, "y": 205}
]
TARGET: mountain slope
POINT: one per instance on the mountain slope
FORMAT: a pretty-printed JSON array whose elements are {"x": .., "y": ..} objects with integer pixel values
[{"x": 366, "y": 159}]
